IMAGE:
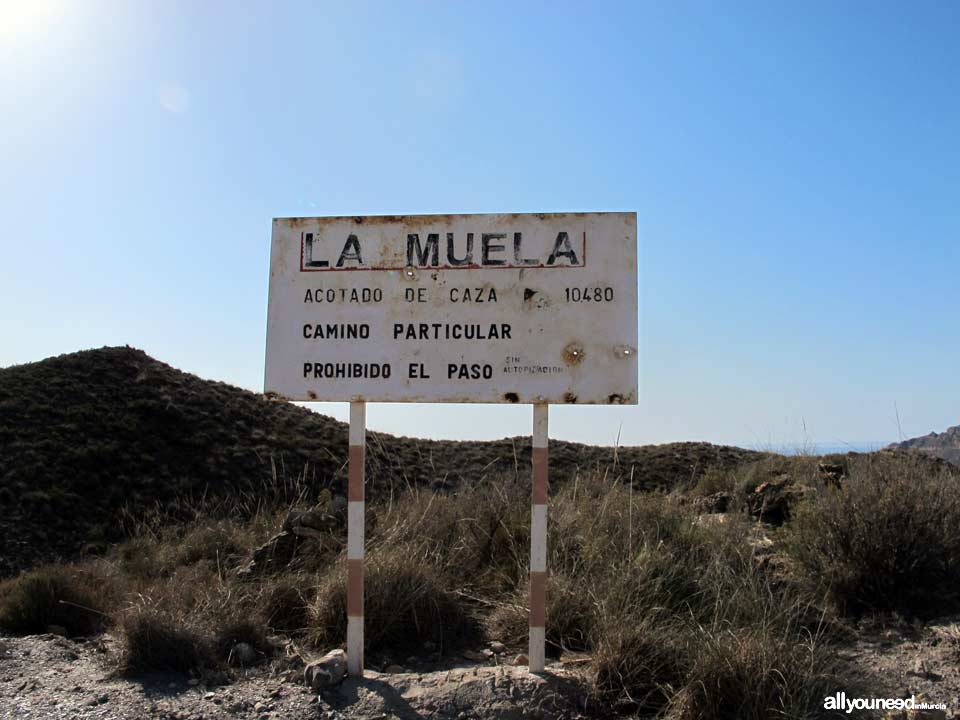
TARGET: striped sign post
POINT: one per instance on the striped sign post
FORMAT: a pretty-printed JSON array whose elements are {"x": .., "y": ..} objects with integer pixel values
[
  {"x": 383, "y": 308},
  {"x": 355, "y": 538},
  {"x": 538, "y": 542}
]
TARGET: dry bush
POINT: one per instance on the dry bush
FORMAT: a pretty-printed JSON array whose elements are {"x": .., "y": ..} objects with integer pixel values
[
  {"x": 478, "y": 538},
  {"x": 754, "y": 673},
  {"x": 73, "y": 598},
  {"x": 638, "y": 666},
  {"x": 796, "y": 469},
  {"x": 160, "y": 552},
  {"x": 569, "y": 623},
  {"x": 156, "y": 640},
  {"x": 284, "y": 603},
  {"x": 887, "y": 540},
  {"x": 715, "y": 479},
  {"x": 234, "y": 631},
  {"x": 676, "y": 613},
  {"x": 656, "y": 580},
  {"x": 406, "y": 604},
  {"x": 189, "y": 621}
]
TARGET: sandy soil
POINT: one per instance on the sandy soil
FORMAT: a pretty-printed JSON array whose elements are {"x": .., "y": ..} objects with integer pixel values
[{"x": 47, "y": 676}]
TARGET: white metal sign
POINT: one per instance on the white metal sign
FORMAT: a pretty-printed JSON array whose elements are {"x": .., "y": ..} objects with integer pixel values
[{"x": 528, "y": 308}]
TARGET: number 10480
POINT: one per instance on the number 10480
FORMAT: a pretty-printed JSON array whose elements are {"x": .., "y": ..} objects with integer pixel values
[{"x": 589, "y": 294}]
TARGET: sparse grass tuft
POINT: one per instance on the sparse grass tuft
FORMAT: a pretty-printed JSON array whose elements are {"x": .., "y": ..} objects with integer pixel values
[
  {"x": 236, "y": 631},
  {"x": 407, "y": 604},
  {"x": 53, "y": 595},
  {"x": 155, "y": 640},
  {"x": 754, "y": 674},
  {"x": 637, "y": 667},
  {"x": 284, "y": 603},
  {"x": 570, "y": 617}
]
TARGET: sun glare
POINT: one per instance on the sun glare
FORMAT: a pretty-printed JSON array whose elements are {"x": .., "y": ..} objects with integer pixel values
[{"x": 23, "y": 20}]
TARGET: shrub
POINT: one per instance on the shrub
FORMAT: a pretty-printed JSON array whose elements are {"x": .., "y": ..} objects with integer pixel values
[
  {"x": 236, "y": 631},
  {"x": 570, "y": 616},
  {"x": 158, "y": 641},
  {"x": 53, "y": 595},
  {"x": 406, "y": 604},
  {"x": 753, "y": 674},
  {"x": 478, "y": 537},
  {"x": 637, "y": 666},
  {"x": 222, "y": 543},
  {"x": 284, "y": 604},
  {"x": 887, "y": 540}
]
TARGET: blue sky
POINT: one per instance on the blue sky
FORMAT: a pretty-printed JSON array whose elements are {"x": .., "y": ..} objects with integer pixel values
[{"x": 795, "y": 168}]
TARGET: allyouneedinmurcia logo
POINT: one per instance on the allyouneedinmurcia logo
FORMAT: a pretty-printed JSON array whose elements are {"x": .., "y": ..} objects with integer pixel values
[{"x": 840, "y": 701}]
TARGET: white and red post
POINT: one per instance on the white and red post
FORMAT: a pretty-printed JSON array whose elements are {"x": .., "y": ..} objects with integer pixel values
[
  {"x": 538, "y": 542},
  {"x": 355, "y": 538}
]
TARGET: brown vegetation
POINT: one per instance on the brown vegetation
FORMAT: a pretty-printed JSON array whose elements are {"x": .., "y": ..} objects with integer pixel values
[{"x": 716, "y": 587}]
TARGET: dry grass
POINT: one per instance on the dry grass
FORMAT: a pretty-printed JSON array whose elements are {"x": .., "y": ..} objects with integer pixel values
[
  {"x": 680, "y": 618},
  {"x": 887, "y": 540},
  {"x": 407, "y": 604},
  {"x": 72, "y": 598},
  {"x": 156, "y": 640}
]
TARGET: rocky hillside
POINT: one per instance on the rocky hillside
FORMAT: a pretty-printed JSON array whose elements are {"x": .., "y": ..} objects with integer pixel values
[
  {"x": 944, "y": 445},
  {"x": 93, "y": 440}
]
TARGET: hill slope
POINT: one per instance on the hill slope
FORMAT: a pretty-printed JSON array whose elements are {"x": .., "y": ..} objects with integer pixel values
[
  {"x": 91, "y": 437},
  {"x": 944, "y": 445}
]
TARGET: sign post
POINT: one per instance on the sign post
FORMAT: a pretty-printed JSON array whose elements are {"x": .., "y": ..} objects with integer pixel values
[
  {"x": 538, "y": 542},
  {"x": 355, "y": 537},
  {"x": 517, "y": 308}
]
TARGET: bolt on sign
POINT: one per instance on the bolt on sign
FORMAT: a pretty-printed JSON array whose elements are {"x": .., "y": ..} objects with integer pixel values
[{"x": 532, "y": 308}]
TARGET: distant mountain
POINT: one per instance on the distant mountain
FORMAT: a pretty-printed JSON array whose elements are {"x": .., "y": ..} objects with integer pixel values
[
  {"x": 944, "y": 445},
  {"x": 95, "y": 440}
]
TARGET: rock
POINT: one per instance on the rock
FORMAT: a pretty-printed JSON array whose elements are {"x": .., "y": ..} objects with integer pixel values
[
  {"x": 327, "y": 671},
  {"x": 718, "y": 502},
  {"x": 243, "y": 654},
  {"x": 831, "y": 474},
  {"x": 498, "y": 647},
  {"x": 712, "y": 519},
  {"x": 393, "y": 669},
  {"x": 308, "y": 531},
  {"x": 275, "y": 554},
  {"x": 57, "y": 630},
  {"x": 474, "y": 656},
  {"x": 520, "y": 660},
  {"x": 770, "y": 502}
]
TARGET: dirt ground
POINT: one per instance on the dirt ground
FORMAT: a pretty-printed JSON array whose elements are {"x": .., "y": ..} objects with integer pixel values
[
  {"x": 48, "y": 676},
  {"x": 912, "y": 660}
]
